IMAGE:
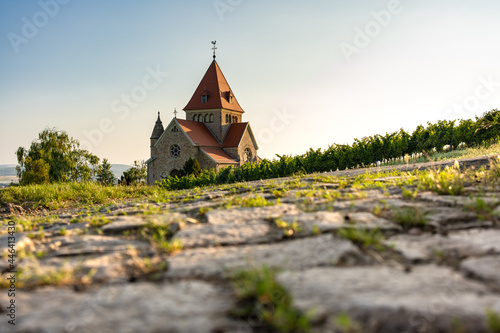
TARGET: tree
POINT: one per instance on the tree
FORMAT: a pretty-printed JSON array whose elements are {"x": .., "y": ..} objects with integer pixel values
[
  {"x": 135, "y": 175},
  {"x": 55, "y": 157},
  {"x": 104, "y": 174},
  {"x": 191, "y": 167}
]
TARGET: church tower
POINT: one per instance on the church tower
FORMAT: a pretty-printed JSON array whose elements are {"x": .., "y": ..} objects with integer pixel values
[{"x": 214, "y": 103}]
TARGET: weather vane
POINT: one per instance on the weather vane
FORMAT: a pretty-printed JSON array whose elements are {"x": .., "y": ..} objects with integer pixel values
[{"x": 214, "y": 48}]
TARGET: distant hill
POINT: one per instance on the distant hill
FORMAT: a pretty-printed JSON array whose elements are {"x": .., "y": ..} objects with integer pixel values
[
  {"x": 10, "y": 169},
  {"x": 119, "y": 168}
]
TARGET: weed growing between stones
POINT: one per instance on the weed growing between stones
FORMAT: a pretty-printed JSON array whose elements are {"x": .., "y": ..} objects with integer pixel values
[
  {"x": 264, "y": 303},
  {"x": 410, "y": 217},
  {"x": 448, "y": 181},
  {"x": 32, "y": 277},
  {"x": 253, "y": 201},
  {"x": 364, "y": 238},
  {"x": 289, "y": 229},
  {"x": 346, "y": 325},
  {"x": 492, "y": 321},
  {"x": 160, "y": 235},
  {"x": 481, "y": 207}
]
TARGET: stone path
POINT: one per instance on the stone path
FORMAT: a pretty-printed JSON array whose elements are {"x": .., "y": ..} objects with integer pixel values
[{"x": 104, "y": 271}]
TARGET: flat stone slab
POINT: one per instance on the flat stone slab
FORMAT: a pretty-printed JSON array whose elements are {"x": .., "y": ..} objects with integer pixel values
[
  {"x": 221, "y": 216},
  {"x": 293, "y": 254},
  {"x": 124, "y": 223},
  {"x": 91, "y": 244},
  {"x": 461, "y": 244},
  {"x": 443, "y": 216},
  {"x": 383, "y": 299},
  {"x": 185, "y": 306},
  {"x": 324, "y": 221},
  {"x": 207, "y": 234},
  {"x": 486, "y": 269}
]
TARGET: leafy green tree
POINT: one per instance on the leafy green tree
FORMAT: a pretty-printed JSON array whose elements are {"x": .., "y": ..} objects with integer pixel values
[
  {"x": 191, "y": 167},
  {"x": 55, "y": 157},
  {"x": 104, "y": 174},
  {"x": 135, "y": 175}
]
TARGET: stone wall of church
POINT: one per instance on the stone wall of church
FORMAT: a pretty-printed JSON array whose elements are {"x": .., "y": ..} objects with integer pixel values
[
  {"x": 205, "y": 161},
  {"x": 233, "y": 152},
  {"x": 164, "y": 164},
  {"x": 246, "y": 142}
]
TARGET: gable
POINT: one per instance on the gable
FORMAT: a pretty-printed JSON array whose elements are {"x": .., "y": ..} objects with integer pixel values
[
  {"x": 173, "y": 130},
  {"x": 237, "y": 132}
]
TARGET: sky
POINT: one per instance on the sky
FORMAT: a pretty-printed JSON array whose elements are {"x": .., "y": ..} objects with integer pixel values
[{"x": 308, "y": 74}]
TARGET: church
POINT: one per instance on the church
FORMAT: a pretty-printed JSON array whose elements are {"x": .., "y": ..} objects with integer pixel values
[{"x": 213, "y": 132}]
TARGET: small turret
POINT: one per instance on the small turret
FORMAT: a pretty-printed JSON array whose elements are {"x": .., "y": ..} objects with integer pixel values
[{"x": 157, "y": 131}]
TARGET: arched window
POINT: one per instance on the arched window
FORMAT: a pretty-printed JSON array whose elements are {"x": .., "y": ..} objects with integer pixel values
[
  {"x": 227, "y": 118},
  {"x": 200, "y": 118},
  {"x": 206, "y": 118},
  {"x": 235, "y": 119},
  {"x": 211, "y": 118},
  {"x": 194, "y": 117},
  {"x": 175, "y": 173},
  {"x": 247, "y": 157}
]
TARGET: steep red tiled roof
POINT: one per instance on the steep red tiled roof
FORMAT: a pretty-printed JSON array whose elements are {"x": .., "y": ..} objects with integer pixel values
[
  {"x": 218, "y": 90},
  {"x": 234, "y": 135},
  {"x": 199, "y": 133},
  {"x": 219, "y": 155}
]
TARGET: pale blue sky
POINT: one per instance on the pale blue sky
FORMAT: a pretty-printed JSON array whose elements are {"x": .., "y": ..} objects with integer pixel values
[{"x": 302, "y": 71}]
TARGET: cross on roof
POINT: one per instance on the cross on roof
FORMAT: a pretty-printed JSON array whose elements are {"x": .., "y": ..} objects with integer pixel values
[
  {"x": 175, "y": 112},
  {"x": 214, "y": 47}
]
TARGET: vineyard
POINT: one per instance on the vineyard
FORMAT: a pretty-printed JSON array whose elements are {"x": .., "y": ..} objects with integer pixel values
[{"x": 365, "y": 152}]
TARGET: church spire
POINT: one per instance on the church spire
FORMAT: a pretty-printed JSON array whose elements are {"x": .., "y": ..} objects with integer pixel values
[
  {"x": 214, "y": 47},
  {"x": 213, "y": 92},
  {"x": 158, "y": 129}
]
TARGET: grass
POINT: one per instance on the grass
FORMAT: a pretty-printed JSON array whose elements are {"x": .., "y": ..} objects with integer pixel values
[
  {"x": 493, "y": 321},
  {"x": 410, "y": 217},
  {"x": 289, "y": 229},
  {"x": 363, "y": 237},
  {"x": 346, "y": 325},
  {"x": 160, "y": 235},
  {"x": 31, "y": 277},
  {"x": 448, "y": 181},
  {"x": 264, "y": 302},
  {"x": 71, "y": 194},
  {"x": 252, "y": 201}
]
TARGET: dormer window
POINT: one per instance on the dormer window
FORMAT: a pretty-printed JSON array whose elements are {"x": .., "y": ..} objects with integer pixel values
[
  {"x": 228, "y": 96},
  {"x": 204, "y": 96}
]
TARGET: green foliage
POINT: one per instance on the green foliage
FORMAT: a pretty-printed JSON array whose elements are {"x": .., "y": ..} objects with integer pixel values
[
  {"x": 346, "y": 325},
  {"x": 104, "y": 174},
  {"x": 54, "y": 157},
  {"x": 135, "y": 175},
  {"x": 160, "y": 234},
  {"x": 448, "y": 181},
  {"x": 191, "y": 167},
  {"x": 261, "y": 297},
  {"x": 493, "y": 321},
  {"x": 58, "y": 195},
  {"x": 410, "y": 217},
  {"x": 364, "y": 152},
  {"x": 363, "y": 237}
]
